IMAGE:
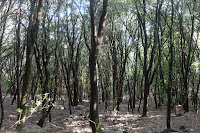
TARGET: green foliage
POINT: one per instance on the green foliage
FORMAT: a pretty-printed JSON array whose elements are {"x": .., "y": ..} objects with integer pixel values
[
  {"x": 32, "y": 110},
  {"x": 45, "y": 96},
  {"x": 32, "y": 101},
  {"x": 38, "y": 103},
  {"x": 26, "y": 104},
  {"x": 99, "y": 129},
  {"x": 19, "y": 111}
]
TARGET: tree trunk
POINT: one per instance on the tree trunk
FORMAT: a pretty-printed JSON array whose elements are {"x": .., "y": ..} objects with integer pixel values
[
  {"x": 1, "y": 100},
  {"x": 96, "y": 40},
  {"x": 186, "y": 100},
  {"x": 45, "y": 60},
  {"x": 169, "y": 88},
  {"x": 114, "y": 66},
  {"x": 31, "y": 39},
  {"x": 18, "y": 56},
  {"x": 135, "y": 79},
  {"x": 146, "y": 90},
  {"x": 155, "y": 94},
  {"x": 94, "y": 116}
]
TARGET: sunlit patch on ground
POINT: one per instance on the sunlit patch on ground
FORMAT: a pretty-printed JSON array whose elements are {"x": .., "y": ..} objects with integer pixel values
[{"x": 12, "y": 116}]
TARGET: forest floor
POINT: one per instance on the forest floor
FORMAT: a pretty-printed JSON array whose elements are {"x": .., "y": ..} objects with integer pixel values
[{"x": 111, "y": 122}]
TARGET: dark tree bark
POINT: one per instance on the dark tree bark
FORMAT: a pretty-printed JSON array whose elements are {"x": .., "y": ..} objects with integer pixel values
[
  {"x": 135, "y": 78},
  {"x": 31, "y": 39},
  {"x": 114, "y": 63},
  {"x": 18, "y": 54},
  {"x": 145, "y": 71},
  {"x": 147, "y": 64},
  {"x": 170, "y": 74},
  {"x": 155, "y": 93},
  {"x": 121, "y": 76},
  {"x": 96, "y": 40},
  {"x": 45, "y": 61},
  {"x": 141, "y": 93},
  {"x": 75, "y": 74},
  {"x": 1, "y": 100},
  {"x": 114, "y": 70},
  {"x": 161, "y": 75},
  {"x": 73, "y": 53},
  {"x": 65, "y": 71},
  {"x": 187, "y": 56}
]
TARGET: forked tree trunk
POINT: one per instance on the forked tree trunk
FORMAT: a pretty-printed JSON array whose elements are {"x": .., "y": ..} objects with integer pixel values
[
  {"x": 121, "y": 79},
  {"x": 149, "y": 70},
  {"x": 31, "y": 39},
  {"x": 96, "y": 39}
]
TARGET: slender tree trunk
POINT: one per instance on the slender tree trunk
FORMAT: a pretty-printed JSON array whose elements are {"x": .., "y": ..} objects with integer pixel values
[
  {"x": 75, "y": 76},
  {"x": 122, "y": 75},
  {"x": 66, "y": 80},
  {"x": 45, "y": 92},
  {"x": 1, "y": 100},
  {"x": 31, "y": 39},
  {"x": 135, "y": 79},
  {"x": 155, "y": 94},
  {"x": 45, "y": 60},
  {"x": 141, "y": 94},
  {"x": 186, "y": 100},
  {"x": 18, "y": 56},
  {"x": 146, "y": 89},
  {"x": 142, "y": 23},
  {"x": 114, "y": 63},
  {"x": 69, "y": 87},
  {"x": 114, "y": 66},
  {"x": 169, "y": 88},
  {"x": 75, "y": 100}
]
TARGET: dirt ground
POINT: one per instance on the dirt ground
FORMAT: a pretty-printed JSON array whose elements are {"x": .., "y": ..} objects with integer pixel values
[{"x": 111, "y": 122}]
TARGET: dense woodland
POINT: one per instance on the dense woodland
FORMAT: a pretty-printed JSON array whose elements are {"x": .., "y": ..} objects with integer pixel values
[{"x": 115, "y": 53}]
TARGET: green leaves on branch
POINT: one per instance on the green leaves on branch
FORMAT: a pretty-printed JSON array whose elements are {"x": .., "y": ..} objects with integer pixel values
[
  {"x": 38, "y": 103},
  {"x": 32, "y": 110},
  {"x": 45, "y": 96},
  {"x": 19, "y": 111}
]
